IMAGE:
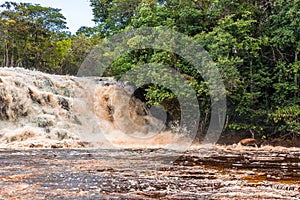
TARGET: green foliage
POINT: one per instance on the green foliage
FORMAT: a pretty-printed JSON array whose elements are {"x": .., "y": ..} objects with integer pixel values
[
  {"x": 79, "y": 46},
  {"x": 239, "y": 126},
  {"x": 63, "y": 46},
  {"x": 113, "y": 15},
  {"x": 31, "y": 35},
  {"x": 255, "y": 45},
  {"x": 34, "y": 37},
  {"x": 288, "y": 118}
]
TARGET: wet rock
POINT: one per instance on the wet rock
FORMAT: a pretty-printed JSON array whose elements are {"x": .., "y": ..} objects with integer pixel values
[
  {"x": 63, "y": 103},
  {"x": 45, "y": 120},
  {"x": 35, "y": 97},
  {"x": 61, "y": 134},
  {"x": 115, "y": 174}
]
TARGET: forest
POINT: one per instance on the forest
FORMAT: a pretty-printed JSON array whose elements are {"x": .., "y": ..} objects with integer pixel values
[{"x": 254, "y": 43}]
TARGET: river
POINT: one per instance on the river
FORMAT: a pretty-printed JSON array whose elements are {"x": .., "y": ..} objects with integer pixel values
[{"x": 215, "y": 172}]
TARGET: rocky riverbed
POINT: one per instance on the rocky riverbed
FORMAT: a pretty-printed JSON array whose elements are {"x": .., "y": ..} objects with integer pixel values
[{"x": 215, "y": 172}]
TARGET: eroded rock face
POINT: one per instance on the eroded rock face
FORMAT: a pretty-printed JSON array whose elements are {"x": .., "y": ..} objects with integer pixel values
[{"x": 42, "y": 109}]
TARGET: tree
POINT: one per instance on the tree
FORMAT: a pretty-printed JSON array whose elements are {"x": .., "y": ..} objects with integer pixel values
[
  {"x": 113, "y": 15},
  {"x": 80, "y": 46},
  {"x": 31, "y": 34},
  {"x": 254, "y": 43}
]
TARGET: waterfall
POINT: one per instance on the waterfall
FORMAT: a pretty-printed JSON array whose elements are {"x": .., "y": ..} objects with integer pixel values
[{"x": 42, "y": 110}]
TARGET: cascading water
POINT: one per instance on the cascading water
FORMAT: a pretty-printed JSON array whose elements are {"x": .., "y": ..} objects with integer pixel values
[{"x": 42, "y": 110}]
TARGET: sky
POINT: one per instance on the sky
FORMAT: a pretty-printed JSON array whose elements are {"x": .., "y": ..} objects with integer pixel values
[{"x": 77, "y": 12}]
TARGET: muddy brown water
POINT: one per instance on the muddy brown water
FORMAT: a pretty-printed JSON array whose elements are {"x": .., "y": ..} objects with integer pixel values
[{"x": 200, "y": 173}]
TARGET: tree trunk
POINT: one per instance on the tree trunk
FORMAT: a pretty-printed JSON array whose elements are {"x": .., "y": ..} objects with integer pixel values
[
  {"x": 6, "y": 57},
  {"x": 12, "y": 60}
]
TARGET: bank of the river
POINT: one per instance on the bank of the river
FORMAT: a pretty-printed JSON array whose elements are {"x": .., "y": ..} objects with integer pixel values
[{"x": 286, "y": 140}]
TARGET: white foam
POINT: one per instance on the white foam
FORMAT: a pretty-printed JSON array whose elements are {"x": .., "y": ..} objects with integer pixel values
[{"x": 41, "y": 110}]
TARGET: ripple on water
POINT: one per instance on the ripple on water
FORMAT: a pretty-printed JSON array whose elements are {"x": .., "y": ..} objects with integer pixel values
[{"x": 218, "y": 173}]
